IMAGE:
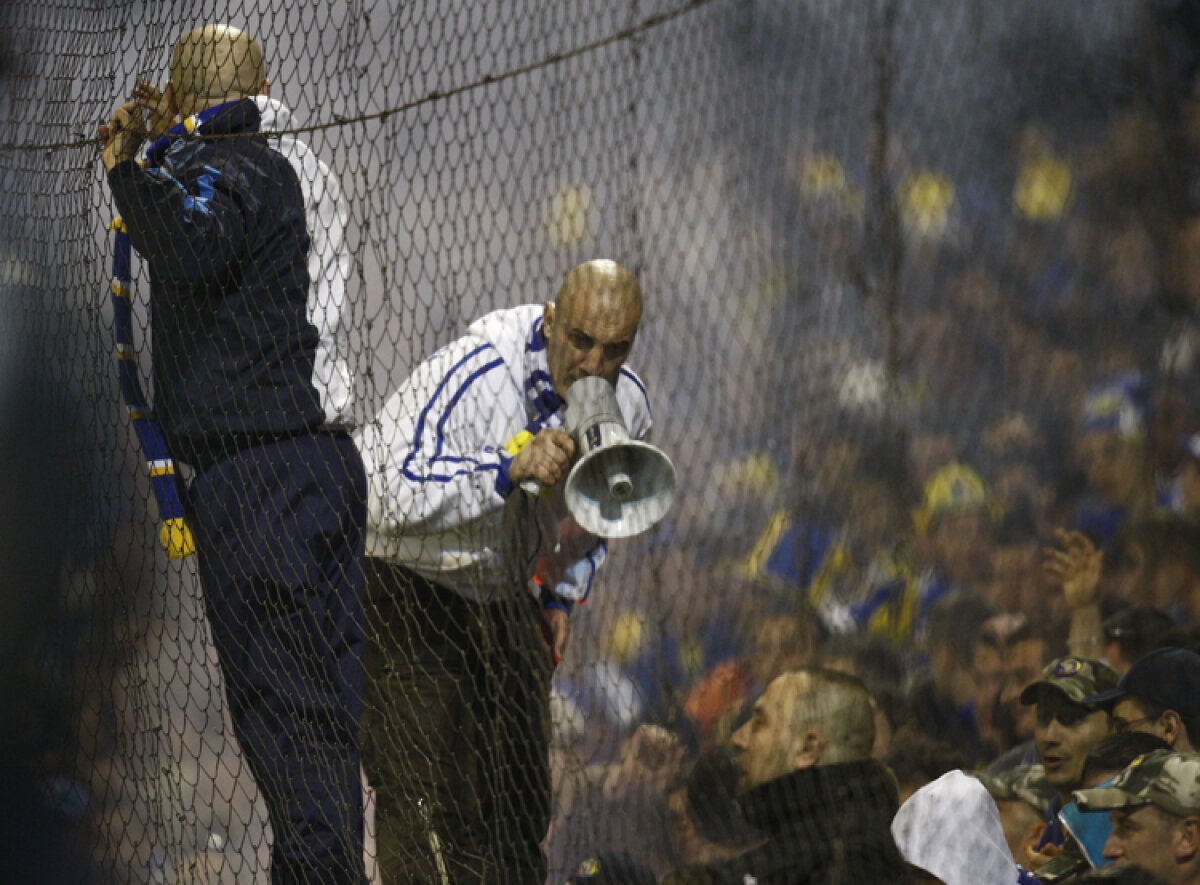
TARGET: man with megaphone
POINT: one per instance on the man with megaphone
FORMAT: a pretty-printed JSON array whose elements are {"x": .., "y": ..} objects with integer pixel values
[{"x": 474, "y": 561}]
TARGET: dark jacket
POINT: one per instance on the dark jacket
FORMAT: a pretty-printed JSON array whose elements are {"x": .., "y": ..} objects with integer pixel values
[
  {"x": 829, "y": 825},
  {"x": 221, "y": 223}
]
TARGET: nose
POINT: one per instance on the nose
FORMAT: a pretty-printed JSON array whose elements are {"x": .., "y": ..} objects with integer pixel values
[
  {"x": 1112, "y": 848},
  {"x": 738, "y": 739},
  {"x": 593, "y": 363},
  {"x": 1052, "y": 733}
]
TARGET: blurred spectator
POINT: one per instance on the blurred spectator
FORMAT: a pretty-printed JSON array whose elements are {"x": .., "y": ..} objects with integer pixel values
[
  {"x": 951, "y": 829},
  {"x": 622, "y": 805},
  {"x": 1183, "y": 637},
  {"x": 1132, "y": 632},
  {"x": 781, "y": 642},
  {"x": 1022, "y": 796},
  {"x": 1112, "y": 448},
  {"x": 869, "y": 657},
  {"x": 1188, "y": 477},
  {"x": 1015, "y": 582},
  {"x": 954, "y": 526},
  {"x": 1028, "y": 649},
  {"x": 1160, "y": 695},
  {"x": 1171, "y": 571},
  {"x": 916, "y": 760},
  {"x": 1066, "y": 730},
  {"x": 1155, "y": 807},
  {"x": 943, "y": 700},
  {"x": 988, "y": 673},
  {"x": 809, "y": 785}
]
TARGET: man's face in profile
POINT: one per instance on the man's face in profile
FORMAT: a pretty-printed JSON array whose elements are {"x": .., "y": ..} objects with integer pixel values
[{"x": 764, "y": 745}]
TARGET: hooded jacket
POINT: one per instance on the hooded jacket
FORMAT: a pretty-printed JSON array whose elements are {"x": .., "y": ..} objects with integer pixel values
[
  {"x": 440, "y": 500},
  {"x": 221, "y": 223},
  {"x": 951, "y": 828}
]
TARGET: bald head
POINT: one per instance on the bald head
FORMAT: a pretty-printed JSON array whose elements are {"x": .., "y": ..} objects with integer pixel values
[
  {"x": 837, "y": 705},
  {"x": 600, "y": 280},
  {"x": 592, "y": 322},
  {"x": 215, "y": 64}
]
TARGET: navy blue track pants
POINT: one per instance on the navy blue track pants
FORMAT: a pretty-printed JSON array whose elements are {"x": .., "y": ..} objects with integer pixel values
[{"x": 280, "y": 528}]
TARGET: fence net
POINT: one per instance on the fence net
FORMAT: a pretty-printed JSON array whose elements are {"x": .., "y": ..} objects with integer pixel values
[{"x": 901, "y": 262}]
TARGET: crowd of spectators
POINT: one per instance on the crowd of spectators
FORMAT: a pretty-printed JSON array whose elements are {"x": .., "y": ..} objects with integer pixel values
[{"x": 1005, "y": 553}]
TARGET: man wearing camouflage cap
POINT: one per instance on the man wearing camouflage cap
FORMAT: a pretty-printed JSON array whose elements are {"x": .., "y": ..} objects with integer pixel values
[
  {"x": 1155, "y": 807},
  {"x": 1066, "y": 729}
]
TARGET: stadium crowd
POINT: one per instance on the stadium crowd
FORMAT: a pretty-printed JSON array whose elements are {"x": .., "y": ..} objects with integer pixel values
[{"x": 1006, "y": 558}]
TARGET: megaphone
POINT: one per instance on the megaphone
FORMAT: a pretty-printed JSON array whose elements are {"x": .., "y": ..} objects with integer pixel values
[{"x": 619, "y": 486}]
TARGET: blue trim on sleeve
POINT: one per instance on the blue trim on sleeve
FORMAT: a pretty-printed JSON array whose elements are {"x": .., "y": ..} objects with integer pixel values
[{"x": 637, "y": 383}]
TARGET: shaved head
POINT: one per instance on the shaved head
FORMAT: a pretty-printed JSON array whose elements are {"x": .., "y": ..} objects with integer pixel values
[
  {"x": 215, "y": 64},
  {"x": 602, "y": 280},
  {"x": 838, "y": 705}
]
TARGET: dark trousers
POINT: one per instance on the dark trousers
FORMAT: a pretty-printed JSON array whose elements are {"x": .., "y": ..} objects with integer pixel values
[
  {"x": 279, "y": 533},
  {"x": 455, "y": 732}
]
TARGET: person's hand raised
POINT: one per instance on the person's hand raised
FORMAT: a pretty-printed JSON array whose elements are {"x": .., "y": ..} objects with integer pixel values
[
  {"x": 1076, "y": 567},
  {"x": 159, "y": 105},
  {"x": 123, "y": 135}
]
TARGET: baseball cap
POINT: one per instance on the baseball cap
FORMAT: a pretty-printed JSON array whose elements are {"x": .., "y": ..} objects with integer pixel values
[
  {"x": 1165, "y": 779},
  {"x": 954, "y": 488},
  {"x": 1025, "y": 782},
  {"x": 1077, "y": 678},
  {"x": 1166, "y": 677},
  {"x": 612, "y": 868},
  {"x": 1118, "y": 404}
]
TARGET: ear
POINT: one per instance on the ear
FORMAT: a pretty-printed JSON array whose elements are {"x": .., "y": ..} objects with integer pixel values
[
  {"x": 807, "y": 750},
  {"x": 264, "y": 88},
  {"x": 172, "y": 98},
  {"x": 1187, "y": 840},
  {"x": 1172, "y": 726},
  {"x": 548, "y": 317}
]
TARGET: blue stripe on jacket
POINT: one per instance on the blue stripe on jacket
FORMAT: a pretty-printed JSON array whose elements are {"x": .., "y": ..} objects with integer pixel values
[{"x": 439, "y": 437}]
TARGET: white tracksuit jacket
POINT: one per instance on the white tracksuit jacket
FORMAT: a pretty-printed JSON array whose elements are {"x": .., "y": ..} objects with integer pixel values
[{"x": 439, "y": 497}]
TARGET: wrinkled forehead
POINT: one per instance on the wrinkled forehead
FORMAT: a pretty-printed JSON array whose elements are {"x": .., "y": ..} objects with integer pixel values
[{"x": 603, "y": 301}]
